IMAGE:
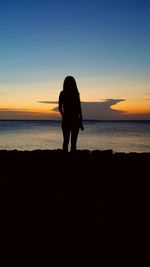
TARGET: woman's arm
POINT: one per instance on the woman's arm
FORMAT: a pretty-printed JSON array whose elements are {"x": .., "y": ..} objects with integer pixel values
[
  {"x": 60, "y": 107},
  {"x": 80, "y": 115},
  {"x": 80, "y": 109}
]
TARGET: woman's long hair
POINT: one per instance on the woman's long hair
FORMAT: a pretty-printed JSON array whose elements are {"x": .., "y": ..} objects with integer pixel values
[{"x": 70, "y": 86}]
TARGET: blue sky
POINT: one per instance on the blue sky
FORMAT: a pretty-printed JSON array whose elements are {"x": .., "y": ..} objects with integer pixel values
[{"x": 42, "y": 41}]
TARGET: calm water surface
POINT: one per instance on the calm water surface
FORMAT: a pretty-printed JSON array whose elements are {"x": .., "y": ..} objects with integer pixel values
[{"x": 127, "y": 136}]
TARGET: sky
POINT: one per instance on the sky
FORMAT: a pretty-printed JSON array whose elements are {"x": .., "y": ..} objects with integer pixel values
[{"x": 104, "y": 44}]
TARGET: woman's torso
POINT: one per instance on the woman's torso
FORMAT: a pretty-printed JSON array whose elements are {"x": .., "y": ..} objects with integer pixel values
[{"x": 71, "y": 105}]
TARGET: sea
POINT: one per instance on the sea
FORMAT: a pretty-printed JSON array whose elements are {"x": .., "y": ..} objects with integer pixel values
[{"x": 120, "y": 136}]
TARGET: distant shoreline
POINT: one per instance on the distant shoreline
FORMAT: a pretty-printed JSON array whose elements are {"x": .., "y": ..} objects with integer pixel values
[{"x": 46, "y": 120}]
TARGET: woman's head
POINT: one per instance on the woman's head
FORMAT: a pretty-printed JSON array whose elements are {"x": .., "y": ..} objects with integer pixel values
[{"x": 70, "y": 85}]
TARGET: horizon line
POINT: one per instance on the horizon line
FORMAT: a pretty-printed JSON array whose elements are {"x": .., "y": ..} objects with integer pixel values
[{"x": 86, "y": 120}]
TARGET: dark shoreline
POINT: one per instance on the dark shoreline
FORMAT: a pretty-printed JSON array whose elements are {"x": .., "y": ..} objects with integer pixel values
[
  {"x": 85, "y": 186},
  {"x": 39, "y": 163}
]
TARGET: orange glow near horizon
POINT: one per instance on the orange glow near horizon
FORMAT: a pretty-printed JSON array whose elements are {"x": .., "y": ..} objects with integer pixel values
[
  {"x": 28, "y": 112},
  {"x": 14, "y": 101},
  {"x": 133, "y": 106},
  {"x": 45, "y": 111}
]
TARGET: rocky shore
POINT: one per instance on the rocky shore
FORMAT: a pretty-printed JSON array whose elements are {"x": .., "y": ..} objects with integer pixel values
[
  {"x": 79, "y": 185},
  {"x": 47, "y": 165}
]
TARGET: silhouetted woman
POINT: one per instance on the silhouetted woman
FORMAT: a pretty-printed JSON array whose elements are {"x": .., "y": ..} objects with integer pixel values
[{"x": 70, "y": 109}]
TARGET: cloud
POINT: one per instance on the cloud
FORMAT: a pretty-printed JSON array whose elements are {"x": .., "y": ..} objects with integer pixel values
[
  {"x": 19, "y": 114},
  {"x": 98, "y": 110},
  {"x": 138, "y": 116},
  {"x": 102, "y": 110},
  {"x": 91, "y": 110},
  {"x": 48, "y": 102}
]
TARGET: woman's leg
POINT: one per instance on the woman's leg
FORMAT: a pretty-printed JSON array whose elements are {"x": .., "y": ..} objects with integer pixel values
[
  {"x": 66, "y": 135},
  {"x": 74, "y": 136}
]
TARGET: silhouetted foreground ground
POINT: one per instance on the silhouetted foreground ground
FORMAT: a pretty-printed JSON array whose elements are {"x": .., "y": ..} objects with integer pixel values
[{"x": 85, "y": 187}]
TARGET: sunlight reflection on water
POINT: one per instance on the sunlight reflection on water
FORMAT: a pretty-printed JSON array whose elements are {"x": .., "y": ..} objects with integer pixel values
[{"x": 119, "y": 136}]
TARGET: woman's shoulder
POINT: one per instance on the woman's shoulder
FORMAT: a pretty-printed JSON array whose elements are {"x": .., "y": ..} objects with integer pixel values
[{"x": 61, "y": 94}]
